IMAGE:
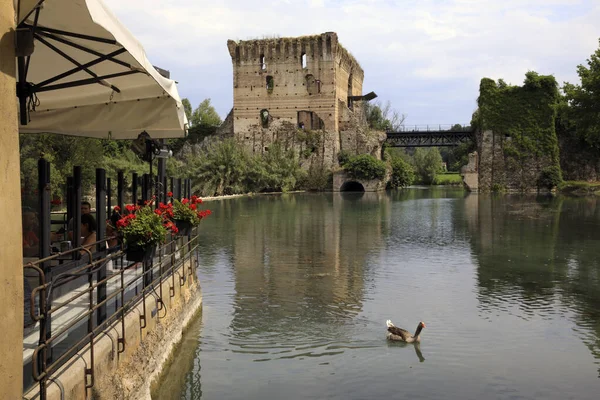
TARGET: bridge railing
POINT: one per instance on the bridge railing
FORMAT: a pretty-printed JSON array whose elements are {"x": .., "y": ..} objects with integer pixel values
[{"x": 435, "y": 128}]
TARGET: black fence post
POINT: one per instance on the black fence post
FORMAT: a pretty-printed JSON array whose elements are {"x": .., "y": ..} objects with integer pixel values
[
  {"x": 44, "y": 208},
  {"x": 178, "y": 189},
  {"x": 146, "y": 187},
  {"x": 189, "y": 187},
  {"x": 70, "y": 199},
  {"x": 120, "y": 189},
  {"x": 101, "y": 247},
  {"x": 162, "y": 173},
  {"x": 108, "y": 197},
  {"x": 77, "y": 207},
  {"x": 134, "y": 188},
  {"x": 44, "y": 251},
  {"x": 172, "y": 185}
]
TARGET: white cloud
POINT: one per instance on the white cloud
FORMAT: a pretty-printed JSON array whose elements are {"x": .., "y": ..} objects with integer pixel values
[{"x": 414, "y": 52}]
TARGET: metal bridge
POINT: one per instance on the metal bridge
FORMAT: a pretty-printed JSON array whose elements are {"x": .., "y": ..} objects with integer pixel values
[{"x": 430, "y": 136}]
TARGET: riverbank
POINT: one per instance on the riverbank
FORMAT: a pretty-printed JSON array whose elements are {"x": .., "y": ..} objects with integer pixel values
[
  {"x": 579, "y": 188},
  {"x": 233, "y": 196}
]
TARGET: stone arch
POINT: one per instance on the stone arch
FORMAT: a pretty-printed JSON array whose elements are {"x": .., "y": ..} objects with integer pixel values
[{"x": 352, "y": 186}]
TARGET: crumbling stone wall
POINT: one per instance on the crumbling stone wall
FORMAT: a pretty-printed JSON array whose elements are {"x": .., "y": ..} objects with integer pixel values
[
  {"x": 288, "y": 88},
  {"x": 355, "y": 135},
  {"x": 516, "y": 139}
]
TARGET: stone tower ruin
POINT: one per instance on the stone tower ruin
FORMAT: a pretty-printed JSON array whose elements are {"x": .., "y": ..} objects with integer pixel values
[{"x": 284, "y": 86}]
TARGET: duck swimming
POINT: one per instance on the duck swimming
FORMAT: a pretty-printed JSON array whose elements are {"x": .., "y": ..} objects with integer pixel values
[{"x": 401, "y": 335}]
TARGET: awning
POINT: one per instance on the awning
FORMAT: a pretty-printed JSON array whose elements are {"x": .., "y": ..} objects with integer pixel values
[{"x": 88, "y": 75}]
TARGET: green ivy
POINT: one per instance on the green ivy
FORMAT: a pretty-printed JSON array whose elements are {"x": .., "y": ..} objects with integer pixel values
[{"x": 525, "y": 115}]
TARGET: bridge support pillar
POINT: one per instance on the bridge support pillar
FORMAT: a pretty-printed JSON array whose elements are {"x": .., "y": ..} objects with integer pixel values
[{"x": 470, "y": 173}]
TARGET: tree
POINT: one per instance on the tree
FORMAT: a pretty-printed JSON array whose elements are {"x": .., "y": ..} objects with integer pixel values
[
  {"x": 187, "y": 107},
  {"x": 584, "y": 101},
  {"x": 403, "y": 174},
  {"x": 205, "y": 114},
  {"x": 427, "y": 163},
  {"x": 383, "y": 117},
  {"x": 222, "y": 169}
]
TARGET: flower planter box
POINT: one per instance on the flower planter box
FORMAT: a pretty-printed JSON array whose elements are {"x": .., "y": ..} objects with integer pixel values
[
  {"x": 139, "y": 254},
  {"x": 184, "y": 227}
]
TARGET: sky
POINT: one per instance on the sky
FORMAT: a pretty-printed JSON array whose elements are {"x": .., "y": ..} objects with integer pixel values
[{"x": 426, "y": 57}]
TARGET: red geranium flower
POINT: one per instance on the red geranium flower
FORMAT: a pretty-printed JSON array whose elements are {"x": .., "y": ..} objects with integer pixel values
[
  {"x": 117, "y": 208},
  {"x": 170, "y": 194}
]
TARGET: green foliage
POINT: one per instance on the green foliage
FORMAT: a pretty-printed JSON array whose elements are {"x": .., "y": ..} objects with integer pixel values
[
  {"x": 365, "y": 167},
  {"x": 312, "y": 140},
  {"x": 281, "y": 169},
  {"x": 63, "y": 153},
  {"x": 187, "y": 107},
  {"x": 318, "y": 178},
  {"x": 579, "y": 187},
  {"x": 550, "y": 178},
  {"x": 196, "y": 134},
  {"x": 526, "y": 116},
  {"x": 184, "y": 212},
  {"x": 382, "y": 117},
  {"x": 226, "y": 167},
  {"x": 343, "y": 157},
  {"x": 205, "y": 114},
  {"x": 144, "y": 229},
  {"x": 498, "y": 188},
  {"x": 222, "y": 169},
  {"x": 448, "y": 178},
  {"x": 403, "y": 174},
  {"x": 584, "y": 101},
  {"x": 458, "y": 156},
  {"x": 428, "y": 163}
]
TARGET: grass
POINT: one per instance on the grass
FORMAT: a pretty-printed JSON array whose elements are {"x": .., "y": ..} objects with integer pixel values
[
  {"x": 448, "y": 178},
  {"x": 579, "y": 187}
]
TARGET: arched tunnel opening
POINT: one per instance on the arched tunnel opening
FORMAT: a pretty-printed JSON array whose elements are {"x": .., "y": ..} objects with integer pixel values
[{"x": 352, "y": 186}]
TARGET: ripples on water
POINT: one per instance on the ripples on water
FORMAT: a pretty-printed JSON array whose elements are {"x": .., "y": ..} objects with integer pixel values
[{"x": 296, "y": 291}]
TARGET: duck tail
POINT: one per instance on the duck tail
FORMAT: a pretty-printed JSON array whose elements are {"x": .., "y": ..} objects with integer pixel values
[{"x": 389, "y": 323}]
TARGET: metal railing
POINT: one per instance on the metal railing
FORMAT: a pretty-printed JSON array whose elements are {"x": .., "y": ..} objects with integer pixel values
[
  {"x": 434, "y": 128},
  {"x": 100, "y": 288}
]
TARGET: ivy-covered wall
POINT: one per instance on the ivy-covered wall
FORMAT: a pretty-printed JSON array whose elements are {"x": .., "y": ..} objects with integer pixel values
[{"x": 517, "y": 143}]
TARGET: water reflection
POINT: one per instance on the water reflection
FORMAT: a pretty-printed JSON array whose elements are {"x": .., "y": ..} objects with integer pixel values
[
  {"x": 538, "y": 258},
  {"x": 297, "y": 288},
  {"x": 416, "y": 346},
  {"x": 183, "y": 371},
  {"x": 302, "y": 262}
]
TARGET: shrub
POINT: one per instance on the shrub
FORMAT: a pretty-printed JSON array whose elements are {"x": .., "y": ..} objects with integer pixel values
[
  {"x": 549, "y": 178},
  {"x": 317, "y": 178},
  {"x": 403, "y": 174},
  {"x": 343, "y": 157},
  {"x": 365, "y": 167}
]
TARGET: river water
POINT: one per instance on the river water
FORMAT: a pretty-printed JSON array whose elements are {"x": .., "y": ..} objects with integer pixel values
[{"x": 297, "y": 289}]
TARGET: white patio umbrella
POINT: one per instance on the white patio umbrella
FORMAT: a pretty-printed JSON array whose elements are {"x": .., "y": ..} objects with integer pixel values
[{"x": 88, "y": 76}]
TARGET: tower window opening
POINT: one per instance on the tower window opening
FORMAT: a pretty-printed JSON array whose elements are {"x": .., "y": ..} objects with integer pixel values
[{"x": 263, "y": 64}]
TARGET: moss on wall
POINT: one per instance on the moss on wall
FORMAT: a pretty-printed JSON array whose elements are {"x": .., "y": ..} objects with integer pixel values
[{"x": 521, "y": 120}]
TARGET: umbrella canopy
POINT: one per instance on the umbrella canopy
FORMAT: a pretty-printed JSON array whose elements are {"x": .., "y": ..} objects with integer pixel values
[{"x": 88, "y": 75}]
